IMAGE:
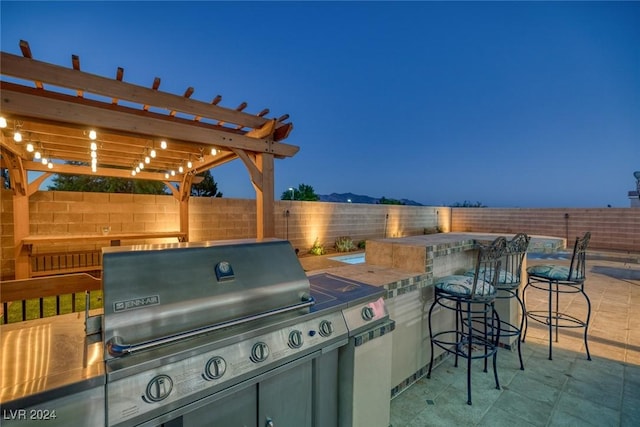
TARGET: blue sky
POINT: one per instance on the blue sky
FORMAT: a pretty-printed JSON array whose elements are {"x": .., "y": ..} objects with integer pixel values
[{"x": 511, "y": 104}]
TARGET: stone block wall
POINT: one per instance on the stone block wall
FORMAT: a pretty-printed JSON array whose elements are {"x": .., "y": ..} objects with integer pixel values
[
  {"x": 61, "y": 212},
  {"x": 615, "y": 229}
]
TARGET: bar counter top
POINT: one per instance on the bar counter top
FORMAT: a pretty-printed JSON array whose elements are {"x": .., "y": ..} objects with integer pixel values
[{"x": 47, "y": 358}]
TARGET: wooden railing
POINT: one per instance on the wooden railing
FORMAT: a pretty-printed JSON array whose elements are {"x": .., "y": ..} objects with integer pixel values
[
  {"x": 47, "y": 264},
  {"x": 41, "y": 288}
]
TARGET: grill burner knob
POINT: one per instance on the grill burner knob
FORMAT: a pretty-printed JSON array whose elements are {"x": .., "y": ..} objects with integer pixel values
[
  {"x": 326, "y": 328},
  {"x": 158, "y": 388},
  {"x": 215, "y": 368},
  {"x": 367, "y": 313},
  {"x": 259, "y": 352},
  {"x": 295, "y": 339}
]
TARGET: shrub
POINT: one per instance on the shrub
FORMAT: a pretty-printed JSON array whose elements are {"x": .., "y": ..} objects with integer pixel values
[
  {"x": 317, "y": 248},
  {"x": 344, "y": 244}
]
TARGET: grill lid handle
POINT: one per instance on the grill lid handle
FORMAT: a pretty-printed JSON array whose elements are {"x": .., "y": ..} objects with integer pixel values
[{"x": 117, "y": 347}]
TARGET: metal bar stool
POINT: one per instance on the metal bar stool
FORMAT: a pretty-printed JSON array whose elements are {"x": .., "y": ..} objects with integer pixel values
[
  {"x": 556, "y": 280},
  {"x": 477, "y": 330},
  {"x": 508, "y": 285}
]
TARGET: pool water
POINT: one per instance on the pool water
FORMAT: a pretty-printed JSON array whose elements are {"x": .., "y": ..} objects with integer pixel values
[{"x": 350, "y": 259}]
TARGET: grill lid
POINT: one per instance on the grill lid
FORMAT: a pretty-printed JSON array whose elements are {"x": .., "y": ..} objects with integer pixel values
[{"x": 160, "y": 293}]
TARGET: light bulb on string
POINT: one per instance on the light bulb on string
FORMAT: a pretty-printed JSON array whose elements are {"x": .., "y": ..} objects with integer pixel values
[{"x": 163, "y": 144}]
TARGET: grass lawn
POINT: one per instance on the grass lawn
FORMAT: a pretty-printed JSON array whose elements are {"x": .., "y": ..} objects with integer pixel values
[{"x": 49, "y": 306}]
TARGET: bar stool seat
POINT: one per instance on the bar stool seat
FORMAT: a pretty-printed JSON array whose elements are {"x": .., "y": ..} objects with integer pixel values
[
  {"x": 508, "y": 286},
  {"x": 555, "y": 280},
  {"x": 477, "y": 329}
]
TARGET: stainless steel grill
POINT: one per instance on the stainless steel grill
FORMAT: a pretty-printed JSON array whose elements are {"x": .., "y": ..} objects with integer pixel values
[{"x": 221, "y": 333}]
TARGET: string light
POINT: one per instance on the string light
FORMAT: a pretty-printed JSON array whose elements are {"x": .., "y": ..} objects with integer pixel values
[
  {"x": 166, "y": 175},
  {"x": 30, "y": 147},
  {"x": 94, "y": 146},
  {"x": 152, "y": 153},
  {"x": 50, "y": 165},
  {"x": 147, "y": 159},
  {"x": 37, "y": 155},
  {"x": 173, "y": 173},
  {"x": 133, "y": 173},
  {"x": 3, "y": 122},
  {"x": 17, "y": 136},
  {"x": 214, "y": 151},
  {"x": 180, "y": 169},
  {"x": 93, "y": 135},
  {"x": 163, "y": 144},
  {"x": 189, "y": 164}
]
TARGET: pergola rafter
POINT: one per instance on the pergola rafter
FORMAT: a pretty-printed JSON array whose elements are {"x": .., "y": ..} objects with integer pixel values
[{"x": 55, "y": 107}]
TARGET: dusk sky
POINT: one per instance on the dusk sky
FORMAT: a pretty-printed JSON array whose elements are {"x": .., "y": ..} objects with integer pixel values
[{"x": 512, "y": 104}]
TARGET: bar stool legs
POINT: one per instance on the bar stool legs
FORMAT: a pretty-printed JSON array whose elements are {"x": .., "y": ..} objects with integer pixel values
[{"x": 556, "y": 280}]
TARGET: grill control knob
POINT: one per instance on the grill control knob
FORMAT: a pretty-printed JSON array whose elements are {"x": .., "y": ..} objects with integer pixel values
[
  {"x": 295, "y": 339},
  {"x": 158, "y": 388},
  {"x": 215, "y": 368},
  {"x": 259, "y": 352},
  {"x": 326, "y": 328},
  {"x": 368, "y": 313}
]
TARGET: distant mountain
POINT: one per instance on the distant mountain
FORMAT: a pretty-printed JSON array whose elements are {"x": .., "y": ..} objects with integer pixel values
[{"x": 356, "y": 198}]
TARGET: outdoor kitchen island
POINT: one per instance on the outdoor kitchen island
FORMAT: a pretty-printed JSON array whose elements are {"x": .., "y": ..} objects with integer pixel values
[{"x": 406, "y": 268}]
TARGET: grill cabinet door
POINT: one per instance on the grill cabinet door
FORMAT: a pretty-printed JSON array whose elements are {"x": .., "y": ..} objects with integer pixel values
[{"x": 285, "y": 399}]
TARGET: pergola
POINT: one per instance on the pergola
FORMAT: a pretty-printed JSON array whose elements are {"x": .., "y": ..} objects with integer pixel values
[{"x": 65, "y": 114}]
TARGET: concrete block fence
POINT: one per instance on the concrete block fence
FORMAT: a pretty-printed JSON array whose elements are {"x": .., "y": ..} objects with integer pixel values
[{"x": 61, "y": 212}]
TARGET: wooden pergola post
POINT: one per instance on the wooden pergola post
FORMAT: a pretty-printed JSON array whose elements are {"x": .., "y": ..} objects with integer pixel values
[{"x": 266, "y": 226}]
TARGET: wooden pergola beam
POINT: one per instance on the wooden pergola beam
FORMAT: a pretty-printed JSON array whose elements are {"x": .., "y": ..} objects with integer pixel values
[
  {"x": 28, "y": 102},
  {"x": 31, "y": 69}
]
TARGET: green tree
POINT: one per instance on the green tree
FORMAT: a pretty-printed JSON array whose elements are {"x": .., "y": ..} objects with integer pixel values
[
  {"x": 303, "y": 192},
  {"x": 104, "y": 184},
  {"x": 468, "y": 204},
  {"x": 384, "y": 201},
  {"x": 207, "y": 188}
]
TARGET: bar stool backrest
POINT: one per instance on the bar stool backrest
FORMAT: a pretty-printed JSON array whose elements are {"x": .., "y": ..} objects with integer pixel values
[
  {"x": 514, "y": 256},
  {"x": 577, "y": 268},
  {"x": 487, "y": 263}
]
